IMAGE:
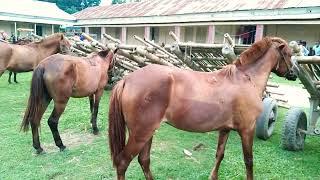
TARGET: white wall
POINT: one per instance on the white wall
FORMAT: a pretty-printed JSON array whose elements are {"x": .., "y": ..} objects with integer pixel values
[
  {"x": 131, "y": 31},
  {"x": 308, "y": 33},
  {"x": 164, "y": 36}
]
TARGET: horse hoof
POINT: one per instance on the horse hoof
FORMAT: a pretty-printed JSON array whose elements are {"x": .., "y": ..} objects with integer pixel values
[
  {"x": 62, "y": 148},
  {"x": 95, "y": 131},
  {"x": 39, "y": 151}
]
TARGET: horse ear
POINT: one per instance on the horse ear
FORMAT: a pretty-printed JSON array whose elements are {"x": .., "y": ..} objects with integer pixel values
[
  {"x": 281, "y": 46},
  {"x": 103, "y": 53},
  {"x": 116, "y": 50},
  {"x": 62, "y": 36}
]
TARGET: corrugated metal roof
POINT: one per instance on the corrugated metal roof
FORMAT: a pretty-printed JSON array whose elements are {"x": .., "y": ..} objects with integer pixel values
[
  {"x": 32, "y": 9},
  {"x": 176, "y": 7}
]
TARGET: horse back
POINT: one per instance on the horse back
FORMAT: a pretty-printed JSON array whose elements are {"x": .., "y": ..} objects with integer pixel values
[{"x": 190, "y": 100}]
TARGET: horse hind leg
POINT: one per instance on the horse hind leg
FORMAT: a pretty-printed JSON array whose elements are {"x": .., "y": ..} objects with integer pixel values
[
  {"x": 95, "y": 109},
  {"x": 53, "y": 121},
  {"x": 144, "y": 160},
  {"x": 15, "y": 77},
  {"x": 35, "y": 128},
  {"x": 91, "y": 101},
  {"x": 223, "y": 137}
]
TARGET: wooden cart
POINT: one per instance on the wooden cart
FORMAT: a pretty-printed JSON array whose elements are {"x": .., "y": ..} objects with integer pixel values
[{"x": 296, "y": 125}]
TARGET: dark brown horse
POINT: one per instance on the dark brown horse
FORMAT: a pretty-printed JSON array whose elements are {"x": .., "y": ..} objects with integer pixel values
[
  {"x": 224, "y": 100},
  {"x": 24, "y": 58},
  {"x": 60, "y": 77}
]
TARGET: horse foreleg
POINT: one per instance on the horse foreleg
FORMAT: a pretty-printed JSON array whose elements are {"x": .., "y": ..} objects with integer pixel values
[
  {"x": 53, "y": 123},
  {"x": 223, "y": 137},
  {"x": 15, "y": 77},
  {"x": 97, "y": 97},
  {"x": 247, "y": 142},
  {"x": 144, "y": 160}
]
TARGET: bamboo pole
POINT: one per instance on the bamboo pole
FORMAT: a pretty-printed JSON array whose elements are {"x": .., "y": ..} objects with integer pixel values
[
  {"x": 81, "y": 53},
  {"x": 109, "y": 37},
  {"x": 152, "y": 57},
  {"x": 228, "y": 52},
  {"x": 187, "y": 60},
  {"x": 93, "y": 40},
  {"x": 174, "y": 36},
  {"x": 229, "y": 40},
  {"x": 140, "y": 40},
  {"x": 307, "y": 59}
]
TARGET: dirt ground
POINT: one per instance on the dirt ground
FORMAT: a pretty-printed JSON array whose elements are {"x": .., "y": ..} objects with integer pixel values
[{"x": 296, "y": 96}]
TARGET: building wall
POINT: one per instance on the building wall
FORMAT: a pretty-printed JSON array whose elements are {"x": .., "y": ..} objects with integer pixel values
[
  {"x": 7, "y": 27},
  {"x": 131, "y": 31},
  {"x": 164, "y": 36},
  {"x": 308, "y": 33},
  {"x": 95, "y": 32},
  {"x": 221, "y": 30}
]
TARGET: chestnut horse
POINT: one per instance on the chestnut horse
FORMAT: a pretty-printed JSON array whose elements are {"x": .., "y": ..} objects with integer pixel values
[
  {"x": 60, "y": 77},
  {"x": 224, "y": 100},
  {"x": 24, "y": 58}
]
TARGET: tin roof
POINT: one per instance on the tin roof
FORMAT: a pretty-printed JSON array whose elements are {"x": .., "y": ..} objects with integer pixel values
[
  {"x": 33, "y": 11},
  {"x": 180, "y": 7}
]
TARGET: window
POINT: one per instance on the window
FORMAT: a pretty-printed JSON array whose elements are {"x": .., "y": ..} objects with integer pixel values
[
  {"x": 154, "y": 34},
  {"x": 118, "y": 33},
  {"x": 188, "y": 34}
]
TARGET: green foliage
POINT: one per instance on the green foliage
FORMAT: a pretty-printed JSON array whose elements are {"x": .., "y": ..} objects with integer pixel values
[
  {"x": 92, "y": 160},
  {"x": 118, "y": 1},
  {"x": 123, "y": 1},
  {"x": 72, "y": 6}
]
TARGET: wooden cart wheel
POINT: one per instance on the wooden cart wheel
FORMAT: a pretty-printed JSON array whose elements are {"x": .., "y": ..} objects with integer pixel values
[
  {"x": 267, "y": 119},
  {"x": 292, "y": 137}
]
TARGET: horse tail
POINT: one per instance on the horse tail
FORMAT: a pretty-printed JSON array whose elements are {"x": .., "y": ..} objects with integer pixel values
[
  {"x": 117, "y": 126},
  {"x": 37, "y": 100}
]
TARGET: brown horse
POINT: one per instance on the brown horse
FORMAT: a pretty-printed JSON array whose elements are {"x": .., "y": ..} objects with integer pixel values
[
  {"x": 224, "y": 100},
  {"x": 24, "y": 58},
  {"x": 60, "y": 77}
]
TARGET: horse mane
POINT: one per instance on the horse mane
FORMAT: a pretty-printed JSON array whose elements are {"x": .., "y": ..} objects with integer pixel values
[
  {"x": 50, "y": 38},
  {"x": 257, "y": 50},
  {"x": 103, "y": 53}
]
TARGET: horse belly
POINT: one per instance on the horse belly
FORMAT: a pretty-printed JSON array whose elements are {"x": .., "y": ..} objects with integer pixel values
[{"x": 199, "y": 118}]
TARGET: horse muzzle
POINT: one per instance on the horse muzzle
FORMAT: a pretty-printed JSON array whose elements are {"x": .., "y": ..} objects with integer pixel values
[{"x": 290, "y": 75}]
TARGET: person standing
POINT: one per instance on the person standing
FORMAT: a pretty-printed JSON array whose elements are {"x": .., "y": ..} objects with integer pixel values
[{"x": 316, "y": 49}]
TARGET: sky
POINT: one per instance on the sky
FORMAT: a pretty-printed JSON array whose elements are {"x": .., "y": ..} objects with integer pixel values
[{"x": 105, "y": 2}]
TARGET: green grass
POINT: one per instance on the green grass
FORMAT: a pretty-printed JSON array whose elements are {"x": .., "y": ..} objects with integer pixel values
[
  {"x": 281, "y": 80},
  {"x": 92, "y": 160}
]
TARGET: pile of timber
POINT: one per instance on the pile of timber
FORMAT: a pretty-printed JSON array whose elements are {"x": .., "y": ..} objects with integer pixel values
[{"x": 187, "y": 55}]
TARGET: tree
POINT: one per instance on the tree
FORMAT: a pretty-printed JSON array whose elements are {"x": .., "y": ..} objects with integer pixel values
[
  {"x": 72, "y": 6},
  {"x": 123, "y": 1}
]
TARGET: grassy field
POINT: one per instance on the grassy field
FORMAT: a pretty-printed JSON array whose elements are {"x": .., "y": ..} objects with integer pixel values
[{"x": 87, "y": 156}]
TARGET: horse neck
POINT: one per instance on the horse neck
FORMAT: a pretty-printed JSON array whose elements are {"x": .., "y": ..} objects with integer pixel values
[
  {"x": 48, "y": 48},
  {"x": 105, "y": 62},
  {"x": 260, "y": 70}
]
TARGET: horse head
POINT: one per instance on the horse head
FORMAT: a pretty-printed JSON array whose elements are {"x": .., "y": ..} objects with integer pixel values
[
  {"x": 284, "y": 66},
  {"x": 108, "y": 55},
  {"x": 64, "y": 44}
]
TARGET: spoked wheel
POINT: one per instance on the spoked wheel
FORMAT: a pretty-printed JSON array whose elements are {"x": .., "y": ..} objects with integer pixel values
[
  {"x": 267, "y": 119},
  {"x": 292, "y": 132}
]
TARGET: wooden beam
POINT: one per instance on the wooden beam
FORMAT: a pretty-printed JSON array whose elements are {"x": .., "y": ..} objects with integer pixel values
[
  {"x": 211, "y": 34},
  {"x": 147, "y": 32},
  {"x": 123, "y": 35},
  {"x": 259, "y": 32},
  {"x": 177, "y": 31}
]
